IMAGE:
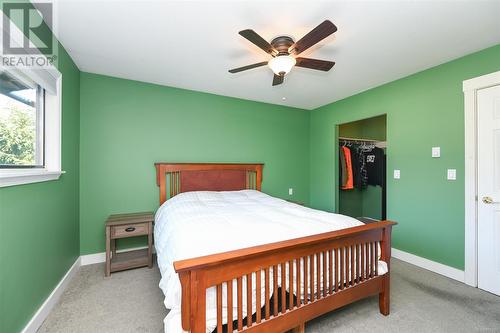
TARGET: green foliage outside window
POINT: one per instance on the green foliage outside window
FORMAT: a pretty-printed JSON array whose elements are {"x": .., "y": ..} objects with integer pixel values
[{"x": 17, "y": 136}]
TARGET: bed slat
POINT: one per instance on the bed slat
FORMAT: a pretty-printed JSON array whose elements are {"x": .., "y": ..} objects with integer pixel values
[
  {"x": 346, "y": 268},
  {"x": 318, "y": 275},
  {"x": 266, "y": 293},
  {"x": 361, "y": 263},
  {"x": 219, "y": 308},
  {"x": 330, "y": 271},
  {"x": 367, "y": 263},
  {"x": 249, "y": 300},
  {"x": 306, "y": 279},
  {"x": 311, "y": 280},
  {"x": 283, "y": 287},
  {"x": 229, "y": 285},
  {"x": 171, "y": 192},
  {"x": 372, "y": 261},
  {"x": 362, "y": 251},
  {"x": 178, "y": 183},
  {"x": 240, "y": 303},
  {"x": 356, "y": 250},
  {"x": 275, "y": 290},
  {"x": 299, "y": 282},
  {"x": 175, "y": 174},
  {"x": 335, "y": 252},
  {"x": 353, "y": 266},
  {"x": 258, "y": 276},
  {"x": 290, "y": 284},
  {"x": 342, "y": 277},
  {"x": 324, "y": 276}
]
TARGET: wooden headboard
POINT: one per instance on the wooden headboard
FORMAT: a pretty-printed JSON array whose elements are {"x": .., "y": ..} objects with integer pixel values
[{"x": 175, "y": 178}]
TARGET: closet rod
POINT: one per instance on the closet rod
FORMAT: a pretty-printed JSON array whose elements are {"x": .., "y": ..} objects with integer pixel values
[{"x": 356, "y": 139}]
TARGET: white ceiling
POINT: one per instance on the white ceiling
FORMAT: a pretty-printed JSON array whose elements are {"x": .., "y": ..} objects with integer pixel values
[{"x": 192, "y": 44}]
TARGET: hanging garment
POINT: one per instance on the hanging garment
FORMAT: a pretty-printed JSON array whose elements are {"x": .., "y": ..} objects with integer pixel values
[
  {"x": 359, "y": 167},
  {"x": 363, "y": 174},
  {"x": 342, "y": 168},
  {"x": 374, "y": 161},
  {"x": 356, "y": 175},
  {"x": 349, "y": 183}
]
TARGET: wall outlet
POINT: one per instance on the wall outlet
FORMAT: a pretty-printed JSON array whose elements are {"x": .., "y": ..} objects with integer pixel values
[
  {"x": 452, "y": 174},
  {"x": 436, "y": 151},
  {"x": 290, "y": 191},
  {"x": 397, "y": 174}
]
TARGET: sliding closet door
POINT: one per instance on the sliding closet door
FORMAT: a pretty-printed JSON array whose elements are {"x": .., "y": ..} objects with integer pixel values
[{"x": 489, "y": 189}]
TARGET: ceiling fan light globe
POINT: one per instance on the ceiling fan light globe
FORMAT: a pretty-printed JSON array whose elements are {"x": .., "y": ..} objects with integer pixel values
[{"x": 282, "y": 64}]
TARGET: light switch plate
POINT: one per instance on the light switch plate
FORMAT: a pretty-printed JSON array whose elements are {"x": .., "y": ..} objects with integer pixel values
[
  {"x": 436, "y": 151},
  {"x": 290, "y": 191},
  {"x": 452, "y": 174},
  {"x": 397, "y": 174}
]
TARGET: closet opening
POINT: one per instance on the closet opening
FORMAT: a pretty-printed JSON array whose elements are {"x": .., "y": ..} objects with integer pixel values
[{"x": 361, "y": 171}]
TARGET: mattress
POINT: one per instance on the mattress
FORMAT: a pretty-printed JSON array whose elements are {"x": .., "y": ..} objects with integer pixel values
[{"x": 194, "y": 224}]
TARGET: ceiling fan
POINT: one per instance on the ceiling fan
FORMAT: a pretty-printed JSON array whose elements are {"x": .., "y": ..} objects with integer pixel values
[{"x": 283, "y": 49}]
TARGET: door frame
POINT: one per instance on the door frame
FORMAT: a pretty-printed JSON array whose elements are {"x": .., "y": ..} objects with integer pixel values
[
  {"x": 336, "y": 134},
  {"x": 470, "y": 88}
]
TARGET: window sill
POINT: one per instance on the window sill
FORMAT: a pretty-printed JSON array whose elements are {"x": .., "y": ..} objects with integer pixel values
[{"x": 10, "y": 177}]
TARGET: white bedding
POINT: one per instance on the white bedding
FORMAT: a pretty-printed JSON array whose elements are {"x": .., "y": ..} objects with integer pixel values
[{"x": 194, "y": 224}]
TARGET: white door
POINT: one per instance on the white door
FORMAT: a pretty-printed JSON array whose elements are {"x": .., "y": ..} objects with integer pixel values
[{"x": 488, "y": 182}]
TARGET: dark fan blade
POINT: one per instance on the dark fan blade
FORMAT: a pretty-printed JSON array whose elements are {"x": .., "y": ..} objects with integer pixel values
[
  {"x": 322, "y": 31},
  {"x": 278, "y": 79},
  {"x": 321, "y": 65},
  {"x": 259, "y": 41},
  {"x": 244, "y": 68}
]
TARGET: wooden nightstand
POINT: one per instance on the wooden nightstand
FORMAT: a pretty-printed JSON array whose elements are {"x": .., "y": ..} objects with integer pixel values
[{"x": 123, "y": 226}]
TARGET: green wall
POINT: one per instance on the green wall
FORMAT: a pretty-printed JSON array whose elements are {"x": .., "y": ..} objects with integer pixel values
[
  {"x": 126, "y": 126},
  {"x": 423, "y": 110},
  {"x": 39, "y": 233}
]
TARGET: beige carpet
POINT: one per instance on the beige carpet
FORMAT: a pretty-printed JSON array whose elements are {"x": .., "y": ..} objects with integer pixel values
[{"x": 422, "y": 301}]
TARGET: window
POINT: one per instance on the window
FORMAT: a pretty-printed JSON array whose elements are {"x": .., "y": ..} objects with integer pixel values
[
  {"x": 30, "y": 125},
  {"x": 30, "y": 119},
  {"x": 22, "y": 122}
]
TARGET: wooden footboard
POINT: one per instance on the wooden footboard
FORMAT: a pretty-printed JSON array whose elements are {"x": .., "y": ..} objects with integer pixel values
[{"x": 309, "y": 276}]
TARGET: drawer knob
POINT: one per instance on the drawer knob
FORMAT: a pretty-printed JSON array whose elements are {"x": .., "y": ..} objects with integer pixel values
[{"x": 130, "y": 229}]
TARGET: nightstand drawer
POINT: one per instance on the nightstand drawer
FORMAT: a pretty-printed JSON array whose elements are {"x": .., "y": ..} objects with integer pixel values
[{"x": 129, "y": 230}]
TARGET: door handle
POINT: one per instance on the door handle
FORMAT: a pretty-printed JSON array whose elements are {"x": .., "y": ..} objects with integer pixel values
[{"x": 489, "y": 200}]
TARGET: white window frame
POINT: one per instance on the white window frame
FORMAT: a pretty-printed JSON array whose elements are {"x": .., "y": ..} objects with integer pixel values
[{"x": 51, "y": 80}]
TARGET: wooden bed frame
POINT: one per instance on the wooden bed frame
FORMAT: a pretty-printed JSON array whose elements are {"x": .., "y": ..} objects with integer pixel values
[{"x": 347, "y": 279}]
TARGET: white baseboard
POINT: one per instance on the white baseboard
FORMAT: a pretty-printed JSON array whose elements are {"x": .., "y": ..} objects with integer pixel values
[
  {"x": 97, "y": 258},
  {"x": 451, "y": 272},
  {"x": 47, "y": 306},
  {"x": 94, "y": 258}
]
